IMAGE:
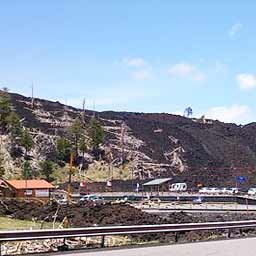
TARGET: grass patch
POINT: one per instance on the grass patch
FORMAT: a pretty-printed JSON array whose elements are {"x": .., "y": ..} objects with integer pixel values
[
  {"x": 7, "y": 223},
  {"x": 96, "y": 172}
]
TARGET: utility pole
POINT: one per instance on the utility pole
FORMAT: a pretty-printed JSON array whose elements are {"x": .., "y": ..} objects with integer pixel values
[
  {"x": 70, "y": 178},
  {"x": 83, "y": 111}
]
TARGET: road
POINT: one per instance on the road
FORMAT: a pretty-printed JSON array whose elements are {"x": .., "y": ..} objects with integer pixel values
[
  {"x": 235, "y": 247},
  {"x": 204, "y": 207}
]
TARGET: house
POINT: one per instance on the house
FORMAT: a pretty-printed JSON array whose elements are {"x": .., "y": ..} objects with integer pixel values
[
  {"x": 26, "y": 188},
  {"x": 157, "y": 185}
]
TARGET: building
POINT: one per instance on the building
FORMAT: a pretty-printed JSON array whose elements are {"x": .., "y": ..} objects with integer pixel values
[
  {"x": 157, "y": 186},
  {"x": 26, "y": 188}
]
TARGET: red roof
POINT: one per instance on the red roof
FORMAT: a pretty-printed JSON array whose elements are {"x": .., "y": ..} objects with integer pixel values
[{"x": 29, "y": 184}]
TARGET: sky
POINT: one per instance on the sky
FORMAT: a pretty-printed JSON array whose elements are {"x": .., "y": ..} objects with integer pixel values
[{"x": 143, "y": 56}]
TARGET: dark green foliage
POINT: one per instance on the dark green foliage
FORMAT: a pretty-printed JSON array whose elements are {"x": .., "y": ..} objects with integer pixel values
[
  {"x": 26, "y": 141},
  {"x": 64, "y": 149},
  {"x": 46, "y": 169},
  {"x": 9, "y": 120},
  {"x": 14, "y": 126},
  {"x": 83, "y": 145},
  {"x": 2, "y": 169},
  {"x": 5, "y": 109},
  {"x": 75, "y": 134},
  {"x": 96, "y": 133},
  {"x": 27, "y": 172}
]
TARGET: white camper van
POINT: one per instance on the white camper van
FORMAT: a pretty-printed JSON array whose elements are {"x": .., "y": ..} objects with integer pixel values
[{"x": 178, "y": 187}]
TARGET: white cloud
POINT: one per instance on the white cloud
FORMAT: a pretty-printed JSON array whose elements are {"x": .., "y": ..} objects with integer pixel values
[
  {"x": 186, "y": 70},
  {"x": 141, "y": 75},
  {"x": 236, "y": 28},
  {"x": 181, "y": 69},
  {"x": 137, "y": 68},
  {"x": 134, "y": 62},
  {"x": 220, "y": 67},
  {"x": 246, "y": 81},
  {"x": 234, "y": 113}
]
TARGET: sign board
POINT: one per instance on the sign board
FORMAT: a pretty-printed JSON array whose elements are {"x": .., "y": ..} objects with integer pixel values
[{"x": 240, "y": 179}]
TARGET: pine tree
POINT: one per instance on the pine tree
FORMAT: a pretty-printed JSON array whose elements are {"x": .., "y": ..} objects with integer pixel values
[
  {"x": 27, "y": 172},
  {"x": 75, "y": 134},
  {"x": 5, "y": 109},
  {"x": 14, "y": 126},
  {"x": 2, "y": 169},
  {"x": 26, "y": 141},
  {"x": 96, "y": 133},
  {"x": 64, "y": 149},
  {"x": 46, "y": 169},
  {"x": 83, "y": 145}
]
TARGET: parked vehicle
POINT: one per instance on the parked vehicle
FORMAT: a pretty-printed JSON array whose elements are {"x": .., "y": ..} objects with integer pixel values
[
  {"x": 229, "y": 191},
  {"x": 252, "y": 192},
  {"x": 204, "y": 190},
  {"x": 154, "y": 202},
  {"x": 64, "y": 201},
  {"x": 198, "y": 200},
  {"x": 207, "y": 190},
  {"x": 92, "y": 198},
  {"x": 233, "y": 191},
  {"x": 178, "y": 187}
]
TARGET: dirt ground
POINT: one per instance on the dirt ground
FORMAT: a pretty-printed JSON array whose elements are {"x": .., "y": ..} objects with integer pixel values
[
  {"x": 82, "y": 215},
  {"x": 120, "y": 214}
]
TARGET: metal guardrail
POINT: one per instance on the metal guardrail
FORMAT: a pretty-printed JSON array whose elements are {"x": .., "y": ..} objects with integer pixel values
[{"x": 6, "y": 236}]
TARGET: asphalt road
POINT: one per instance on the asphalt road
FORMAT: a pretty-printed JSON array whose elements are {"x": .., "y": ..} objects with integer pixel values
[{"x": 235, "y": 247}]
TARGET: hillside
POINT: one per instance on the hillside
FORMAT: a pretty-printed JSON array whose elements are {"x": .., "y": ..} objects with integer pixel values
[{"x": 152, "y": 145}]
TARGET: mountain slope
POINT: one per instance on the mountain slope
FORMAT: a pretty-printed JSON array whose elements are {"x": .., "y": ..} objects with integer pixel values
[{"x": 156, "y": 145}]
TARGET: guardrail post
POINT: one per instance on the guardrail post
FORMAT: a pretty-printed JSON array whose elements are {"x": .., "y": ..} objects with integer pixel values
[
  {"x": 229, "y": 233},
  {"x": 102, "y": 242},
  {"x": 176, "y": 237}
]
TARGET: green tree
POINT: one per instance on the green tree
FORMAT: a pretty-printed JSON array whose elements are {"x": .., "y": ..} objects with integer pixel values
[
  {"x": 96, "y": 133},
  {"x": 26, "y": 141},
  {"x": 83, "y": 145},
  {"x": 5, "y": 108},
  {"x": 64, "y": 149},
  {"x": 2, "y": 169},
  {"x": 13, "y": 123},
  {"x": 75, "y": 134},
  {"x": 27, "y": 171},
  {"x": 46, "y": 169}
]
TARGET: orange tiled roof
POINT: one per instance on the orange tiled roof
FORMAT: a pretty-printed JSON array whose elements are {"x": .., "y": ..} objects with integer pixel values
[{"x": 29, "y": 184}]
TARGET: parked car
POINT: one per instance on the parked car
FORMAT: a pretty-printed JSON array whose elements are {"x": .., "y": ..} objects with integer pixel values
[
  {"x": 204, "y": 190},
  {"x": 178, "y": 187},
  {"x": 229, "y": 191},
  {"x": 207, "y": 190},
  {"x": 233, "y": 190},
  {"x": 252, "y": 192},
  {"x": 198, "y": 200},
  {"x": 92, "y": 198},
  {"x": 64, "y": 201}
]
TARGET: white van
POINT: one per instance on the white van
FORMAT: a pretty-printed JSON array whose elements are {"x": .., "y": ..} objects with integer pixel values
[
  {"x": 178, "y": 187},
  {"x": 252, "y": 192}
]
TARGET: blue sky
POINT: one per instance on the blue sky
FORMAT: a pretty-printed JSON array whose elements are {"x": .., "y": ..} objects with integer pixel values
[{"x": 144, "y": 56}]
